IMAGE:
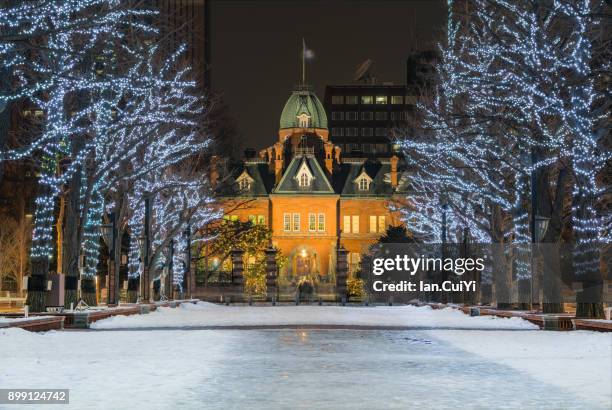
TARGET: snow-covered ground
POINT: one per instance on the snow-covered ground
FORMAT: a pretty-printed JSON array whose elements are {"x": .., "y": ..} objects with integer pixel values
[
  {"x": 207, "y": 314},
  {"x": 579, "y": 362},
  {"x": 356, "y": 369}
]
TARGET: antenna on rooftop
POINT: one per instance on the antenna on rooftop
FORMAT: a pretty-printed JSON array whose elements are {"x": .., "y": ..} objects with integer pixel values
[{"x": 362, "y": 73}]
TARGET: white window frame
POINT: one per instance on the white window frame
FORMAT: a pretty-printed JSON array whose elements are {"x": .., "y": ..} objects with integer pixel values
[
  {"x": 287, "y": 222},
  {"x": 321, "y": 222},
  {"x": 296, "y": 222},
  {"x": 312, "y": 222},
  {"x": 347, "y": 224},
  {"x": 364, "y": 184}
]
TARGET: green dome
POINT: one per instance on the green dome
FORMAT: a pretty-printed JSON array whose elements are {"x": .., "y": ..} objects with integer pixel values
[{"x": 300, "y": 102}]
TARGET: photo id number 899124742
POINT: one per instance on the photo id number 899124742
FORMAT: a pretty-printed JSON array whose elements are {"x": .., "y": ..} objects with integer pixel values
[{"x": 41, "y": 396}]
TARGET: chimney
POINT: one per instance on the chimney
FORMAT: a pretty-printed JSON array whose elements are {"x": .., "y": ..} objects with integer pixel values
[
  {"x": 394, "y": 161},
  {"x": 329, "y": 161},
  {"x": 337, "y": 151},
  {"x": 214, "y": 171},
  {"x": 278, "y": 162},
  {"x": 270, "y": 157}
]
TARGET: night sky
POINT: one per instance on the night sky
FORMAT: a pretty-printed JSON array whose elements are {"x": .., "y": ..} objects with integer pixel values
[{"x": 256, "y": 46}]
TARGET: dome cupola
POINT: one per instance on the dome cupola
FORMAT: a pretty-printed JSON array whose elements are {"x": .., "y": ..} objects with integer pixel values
[{"x": 303, "y": 110}]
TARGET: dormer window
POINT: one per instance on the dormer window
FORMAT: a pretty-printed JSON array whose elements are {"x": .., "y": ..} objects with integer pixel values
[
  {"x": 364, "y": 185},
  {"x": 303, "y": 120},
  {"x": 304, "y": 176},
  {"x": 363, "y": 181},
  {"x": 304, "y": 180},
  {"x": 244, "y": 184},
  {"x": 244, "y": 181}
]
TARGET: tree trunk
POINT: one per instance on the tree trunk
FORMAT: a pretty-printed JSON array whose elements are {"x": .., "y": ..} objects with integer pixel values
[
  {"x": 88, "y": 290},
  {"x": 71, "y": 243}
]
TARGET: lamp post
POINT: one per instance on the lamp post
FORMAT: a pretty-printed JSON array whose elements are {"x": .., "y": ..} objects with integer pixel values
[
  {"x": 187, "y": 279},
  {"x": 171, "y": 269},
  {"x": 540, "y": 226},
  {"x": 145, "y": 247},
  {"x": 142, "y": 240}
]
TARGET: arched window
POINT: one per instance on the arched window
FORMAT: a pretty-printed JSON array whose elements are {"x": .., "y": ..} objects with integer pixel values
[{"x": 304, "y": 179}]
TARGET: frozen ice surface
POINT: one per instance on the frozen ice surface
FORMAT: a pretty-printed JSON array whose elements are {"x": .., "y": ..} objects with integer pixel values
[
  {"x": 312, "y": 369},
  {"x": 207, "y": 314}
]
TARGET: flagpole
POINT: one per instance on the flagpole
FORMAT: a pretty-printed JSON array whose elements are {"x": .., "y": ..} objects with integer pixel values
[{"x": 303, "y": 61}]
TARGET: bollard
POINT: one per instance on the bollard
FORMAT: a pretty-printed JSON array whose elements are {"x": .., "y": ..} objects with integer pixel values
[
  {"x": 320, "y": 302},
  {"x": 343, "y": 301},
  {"x": 273, "y": 300},
  {"x": 390, "y": 300},
  {"x": 26, "y": 310},
  {"x": 250, "y": 301}
]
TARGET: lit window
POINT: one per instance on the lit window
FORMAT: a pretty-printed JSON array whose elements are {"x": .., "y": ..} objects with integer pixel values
[
  {"x": 382, "y": 226},
  {"x": 367, "y": 99},
  {"x": 354, "y": 259},
  {"x": 304, "y": 180},
  {"x": 244, "y": 184},
  {"x": 337, "y": 115},
  {"x": 337, "y": 132},
  {"x": 367, "y": 115},
  {"x": 312, "y": 222},
  {"x": 303, "y": 120},
  {"x": 321, "y": 226},
  {"x": 381, "y": 99},
  {"x": 337, "y": 99},
  {"x": 252, "y": 219},
  {"x": 347, "y": 224},
  {"x": 373, "y": 224},
  {"x": 364, "y": 184},
  {"x": 397, "y": 99},
  {"x": 351, "y": 99},
  {"x": 296, "y": 222},
  {"x": 261, "y": 220},
  {"x": 355, "y": 220},
  {"x": 287, "y": 222}
]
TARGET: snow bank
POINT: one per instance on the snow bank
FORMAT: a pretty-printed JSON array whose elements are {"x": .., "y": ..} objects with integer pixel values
[
  {"x": 20, "y": 319},
  {"x": 207, "y": 314},
  {"x": 579, "y": 361}
]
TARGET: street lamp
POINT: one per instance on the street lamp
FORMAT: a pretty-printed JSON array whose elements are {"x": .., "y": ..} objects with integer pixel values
[
  {"x": 142, "y": 242},
  {"x": 541, "y": 226},
  {"x": 109, "y": 235}
]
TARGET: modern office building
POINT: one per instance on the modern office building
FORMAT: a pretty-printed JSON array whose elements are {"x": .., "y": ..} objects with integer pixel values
[
  {"x": 363, "y": 118},
  {"x": 187, "y": 22}
]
